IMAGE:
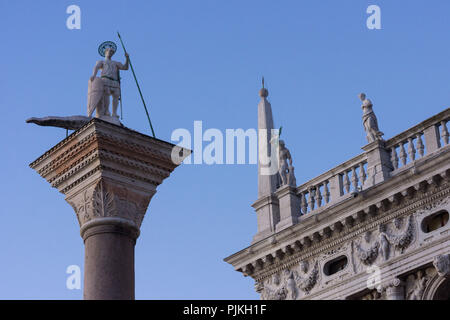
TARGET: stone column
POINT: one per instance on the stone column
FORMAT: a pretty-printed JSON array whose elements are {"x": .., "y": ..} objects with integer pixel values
[
  {"x": 378, "y": 163},
  {"x": 108, "y": 174}
]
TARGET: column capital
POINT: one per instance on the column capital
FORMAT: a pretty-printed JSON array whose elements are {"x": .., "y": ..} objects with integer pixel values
[{"x": 109, "y": 173}]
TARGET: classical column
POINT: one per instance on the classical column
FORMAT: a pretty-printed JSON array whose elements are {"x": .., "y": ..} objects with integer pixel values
[{"x": 108, "y": 174}]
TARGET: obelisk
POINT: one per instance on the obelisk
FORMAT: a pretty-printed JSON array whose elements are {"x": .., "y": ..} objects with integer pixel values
[{"x": 267, "y": 206}]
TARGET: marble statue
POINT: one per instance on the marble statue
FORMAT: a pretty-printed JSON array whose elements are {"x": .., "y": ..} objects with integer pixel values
[
  {"x": 99, "y": 91},
  {"x": 285, "y": 168},
  {"x": 370, "y": 120},
  {"x": 108, "y": 84}
]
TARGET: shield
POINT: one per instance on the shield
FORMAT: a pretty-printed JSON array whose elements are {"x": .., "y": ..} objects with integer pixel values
[{"x": 95, "y": 95}]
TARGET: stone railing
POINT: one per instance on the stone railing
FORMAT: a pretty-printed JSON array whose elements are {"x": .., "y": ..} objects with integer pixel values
[
  {"x": 352, "y": 175},
  {"x": 380, "y": 161},
  {"x": 329, "y": 187},
  {"x": 419, "y": 141}
]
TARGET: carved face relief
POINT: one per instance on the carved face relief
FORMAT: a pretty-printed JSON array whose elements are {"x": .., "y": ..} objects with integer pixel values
[
  {"x": 367, "y": 236},
  {"x": 398, "y": 223},
  {"x": 276, "y": 279},
  {"x": 304, "y": 266}
]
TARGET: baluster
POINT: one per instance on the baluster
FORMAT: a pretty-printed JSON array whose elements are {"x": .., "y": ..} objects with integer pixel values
[
  {"x": 362, "y": 173},
  {"x": 318, "y": 196},
  {"x": 326, "y": 192},
  {"x": 304, "y": 205},
  {"x": 411, "y": 150},
  {"x": 444, "y": 132},
  {"x": 420, "y": 145},
  {"x": 354, "y": 179},
  {"x": 346, "y": 182},
  {"x": 402, "y": 154},
  {"x": 311, "y": 199},
  {"x": 394, "y": 158}
]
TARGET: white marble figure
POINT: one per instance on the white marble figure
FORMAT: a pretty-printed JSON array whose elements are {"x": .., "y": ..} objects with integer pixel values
[
  {"x": 100, "y": 89},
  {"x": 370, "y": 120},
  {"x": 285, "y": 168}
]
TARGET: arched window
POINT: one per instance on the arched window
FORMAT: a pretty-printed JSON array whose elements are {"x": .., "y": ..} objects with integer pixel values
[
  {"x": 435, "y": 221},
  {"x": 335, "y": 265}
]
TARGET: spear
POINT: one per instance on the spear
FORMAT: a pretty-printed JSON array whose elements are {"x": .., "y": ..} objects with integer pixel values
[{"x": 137, "y": 84}]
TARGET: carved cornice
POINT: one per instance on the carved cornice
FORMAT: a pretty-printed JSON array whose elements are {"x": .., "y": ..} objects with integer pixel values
[
  {"x": 100, "y": 147},
  {"x": 400, "y": 205}
]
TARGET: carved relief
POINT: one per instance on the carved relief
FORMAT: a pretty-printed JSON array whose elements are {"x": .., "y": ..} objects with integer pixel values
[
  {"x": 309, "y": 280},
  {"x": 273, "y": 288},
  {"x": 403, "y": 240},
  {"x": 416, "y": 284},
  {"x": 109, "y": 200},
  {"x": 442, "y": 265},
  {"x": 103, "y": 201},
  {"x": 369, "y": 255}
]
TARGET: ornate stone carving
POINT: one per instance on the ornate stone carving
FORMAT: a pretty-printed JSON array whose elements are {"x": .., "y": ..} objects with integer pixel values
[
  {"x": 367, "y": 256},
  {"x": 416, "y": 291},
  {"x": 442, "y": 265},
  {"x": 273, "y": 288},
  {"x": 384, "y": 242},
  {"x": 106, "y": 199},
  {"x": 103, "y": 201},
  {"x": 309, "y": 280},
  {"x": 403, "y": 240}
]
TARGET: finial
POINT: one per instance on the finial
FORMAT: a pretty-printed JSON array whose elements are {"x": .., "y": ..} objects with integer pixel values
[{"x": 263, "y": 93}]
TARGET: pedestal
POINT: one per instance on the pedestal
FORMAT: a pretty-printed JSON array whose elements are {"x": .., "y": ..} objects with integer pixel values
[{"x": 109, "y": 174}]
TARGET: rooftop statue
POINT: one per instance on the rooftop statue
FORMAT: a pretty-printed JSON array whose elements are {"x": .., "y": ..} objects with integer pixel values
[
  {"x": 108, "y": 84},
  {"x": 370, "y": 120},
  {"x": 286, "y": 170},
  {"x": 99, "y": 91}
]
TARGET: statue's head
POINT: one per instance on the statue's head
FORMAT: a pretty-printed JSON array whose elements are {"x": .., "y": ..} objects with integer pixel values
[
  {"x": 281, "y": 142},
  {"x": 362, "y": 96},
  {"x": 109, "y": 52},
  {"x": 398, "y": 222},
  {"x": 276, "y": 279},
  {"x": 304, "y": 265},
  {"x": 367, "y": 236}
]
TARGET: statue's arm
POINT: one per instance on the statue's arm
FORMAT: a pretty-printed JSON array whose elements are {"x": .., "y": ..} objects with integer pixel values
[
  {"x": 126, "y": 65},
  {"x": 289, "y": 157},
  {"x": 98, "y": 65}
]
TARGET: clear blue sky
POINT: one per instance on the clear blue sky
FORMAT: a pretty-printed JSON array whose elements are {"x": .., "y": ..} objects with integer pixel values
[{"x": 201, "y": 60}]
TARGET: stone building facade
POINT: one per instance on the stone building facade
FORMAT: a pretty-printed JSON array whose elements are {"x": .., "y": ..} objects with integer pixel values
[{"x": 373, "y": 227}]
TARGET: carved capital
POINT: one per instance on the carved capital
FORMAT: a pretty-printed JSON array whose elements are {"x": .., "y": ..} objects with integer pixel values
[
  {"x": 395, "y": 289},
  {"x": 109, "y": 174}
]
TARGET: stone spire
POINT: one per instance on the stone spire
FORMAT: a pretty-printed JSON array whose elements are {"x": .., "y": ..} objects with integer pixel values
[{"x": 266, "y": 183}]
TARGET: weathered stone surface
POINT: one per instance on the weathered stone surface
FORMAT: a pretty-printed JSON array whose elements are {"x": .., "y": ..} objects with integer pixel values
[{"x": 372, "y": 239}]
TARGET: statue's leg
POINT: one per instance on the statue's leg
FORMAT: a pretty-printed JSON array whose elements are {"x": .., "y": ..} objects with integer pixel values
[
  {"x": 106, "y": 102},
  {"x": 115, "y": 102}
]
